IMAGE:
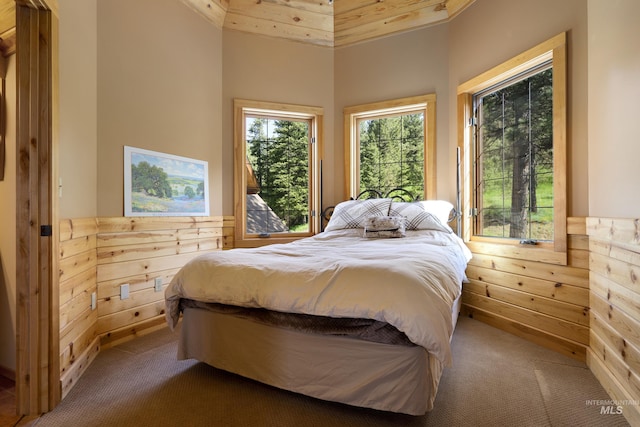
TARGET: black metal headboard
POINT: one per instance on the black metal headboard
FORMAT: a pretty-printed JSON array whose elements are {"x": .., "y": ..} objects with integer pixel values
[
  {"x": 397, "y": 194},
  {"x": 400, "y": 194}
]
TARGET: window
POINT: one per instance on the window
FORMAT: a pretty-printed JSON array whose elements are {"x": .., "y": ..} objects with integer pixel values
[
  {"x": 513, "y": 157},
  {"x": 276, "y": 174},
  {"x": 512, "y": 127},
  {"x": 391, "y": 145}
]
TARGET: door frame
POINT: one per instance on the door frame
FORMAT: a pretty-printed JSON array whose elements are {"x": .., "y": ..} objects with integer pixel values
[{"x": 37, "y": 294}]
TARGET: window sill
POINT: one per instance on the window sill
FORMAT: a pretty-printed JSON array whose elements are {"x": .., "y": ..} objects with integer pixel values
[
  {"x": 542, "y": 252},
  {"x": 256, "y": 242}
]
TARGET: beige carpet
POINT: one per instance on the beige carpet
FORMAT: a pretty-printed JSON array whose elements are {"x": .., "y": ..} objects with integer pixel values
[{"x": 497, "y": 380}]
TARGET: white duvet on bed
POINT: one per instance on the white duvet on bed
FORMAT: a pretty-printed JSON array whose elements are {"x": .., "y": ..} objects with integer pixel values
[{"x": 409, "y": 282}]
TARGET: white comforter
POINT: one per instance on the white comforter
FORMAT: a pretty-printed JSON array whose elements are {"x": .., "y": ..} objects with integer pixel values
[{"x": 409, "y": 282}]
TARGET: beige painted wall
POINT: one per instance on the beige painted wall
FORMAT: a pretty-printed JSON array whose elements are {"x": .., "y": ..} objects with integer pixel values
[
  {"x": 159, "y": 88},
  {"x": 78, "y": 139},
  {"x": 8, "y": 224},
  {"x": 267, "y": 69},
  {"x": 614, "y": 91},
  {"x": 408, "y": 64},
  {"x": 142, "y": 91},
  {"x": 490, "y": 32}
]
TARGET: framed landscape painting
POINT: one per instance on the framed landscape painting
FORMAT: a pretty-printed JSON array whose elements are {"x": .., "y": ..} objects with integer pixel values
[{"x": 159, "y": 184}]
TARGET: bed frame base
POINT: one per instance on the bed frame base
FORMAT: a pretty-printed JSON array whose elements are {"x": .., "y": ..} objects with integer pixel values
[
  {"x": 339, "y": 369},
  {"x": 361, "y": 373}
]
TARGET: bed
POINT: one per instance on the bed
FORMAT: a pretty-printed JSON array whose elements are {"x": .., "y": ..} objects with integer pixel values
[{"x": 361, "y": 313}]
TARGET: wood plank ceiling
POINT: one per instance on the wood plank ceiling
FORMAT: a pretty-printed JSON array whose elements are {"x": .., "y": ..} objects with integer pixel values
[
  {"x": 7, "y": 27},
  {"x": 324, "y": 22},
  {"x": 331, "y": 23}
]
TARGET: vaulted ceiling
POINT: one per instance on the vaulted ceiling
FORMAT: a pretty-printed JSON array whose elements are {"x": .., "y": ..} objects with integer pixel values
[{"x": 331, "y": 23}]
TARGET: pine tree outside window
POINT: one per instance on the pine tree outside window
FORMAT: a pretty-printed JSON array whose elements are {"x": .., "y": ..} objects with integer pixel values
[
  {"x": 392, "y": 153},
  {"x": 513, "y": 157},
  {"x": 276, "y": 152},
  {"x": 512, "y": 123},
  {"x": 391, "y": 144}
]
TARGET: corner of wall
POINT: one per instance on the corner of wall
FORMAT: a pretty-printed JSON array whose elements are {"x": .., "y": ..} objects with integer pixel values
[{"x": 614, "y": 287}]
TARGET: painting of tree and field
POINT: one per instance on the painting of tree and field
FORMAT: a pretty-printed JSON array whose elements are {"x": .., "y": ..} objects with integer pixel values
[{"x": 163, "y": 184}]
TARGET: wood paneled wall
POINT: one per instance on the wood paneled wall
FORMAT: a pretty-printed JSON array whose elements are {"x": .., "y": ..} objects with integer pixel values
[
  {"x": 98, "y": 255},
  {"x": 77, "y": 273},
  {"x": 136, "y": 251},
  {"x": 614, "y": 353},
  {"x": 516, "y": 289}
]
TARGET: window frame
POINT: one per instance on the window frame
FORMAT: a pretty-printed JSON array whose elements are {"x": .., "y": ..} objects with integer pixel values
[
  {"x": 553, "y": 50},
  {"x": 244, "y": 108},
  {"x": 353, "y": 114}
]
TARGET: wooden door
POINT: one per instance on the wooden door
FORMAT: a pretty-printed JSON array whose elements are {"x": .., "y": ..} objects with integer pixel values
[{"x": 37, "y": 319}]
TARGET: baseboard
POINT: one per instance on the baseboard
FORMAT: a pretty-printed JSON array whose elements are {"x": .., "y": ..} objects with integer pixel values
[
  {"x": 8, "y": 373},
  {"x": 79, "y": 366},
  {"x": 559, "y": 344},
  {"x": 130, "y": 332},
  {"x": 620, "y": 398}
]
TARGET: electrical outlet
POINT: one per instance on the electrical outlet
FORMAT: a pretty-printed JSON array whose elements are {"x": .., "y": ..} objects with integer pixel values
[
  {"x": 93, "y": 301},
  {"x": 157, "y": 282},
  {"x": 124, "y": 291}
]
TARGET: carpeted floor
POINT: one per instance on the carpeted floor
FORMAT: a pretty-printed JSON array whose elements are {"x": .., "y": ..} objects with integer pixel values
[{"x": 497, "y": 380}]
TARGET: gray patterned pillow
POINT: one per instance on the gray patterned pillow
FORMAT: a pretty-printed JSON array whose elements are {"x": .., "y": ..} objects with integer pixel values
[
  {"x": 417, "y": 218},
  {"x": 352, "y": 213}
]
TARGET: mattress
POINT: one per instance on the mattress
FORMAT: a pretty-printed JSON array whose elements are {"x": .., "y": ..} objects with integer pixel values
[
  {"x": 364, "y": 329},
  {"x": 409, "y": 283}
]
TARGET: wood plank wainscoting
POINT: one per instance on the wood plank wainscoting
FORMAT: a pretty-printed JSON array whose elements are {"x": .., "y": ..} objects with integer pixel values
[
  {"x": 614, "y": 352},
  {"x": 77, "y": 273},
  {"x": 98, "y": 255},
  {"x": 541, "y": 301}
]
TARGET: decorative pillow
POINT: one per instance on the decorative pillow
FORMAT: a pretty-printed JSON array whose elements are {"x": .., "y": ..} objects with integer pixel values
[
  {"x": 417, "y": 218},
  {"x": 440, "y": 208},
  {"x": 384, "y": 226},
  {"x": 352, "y": 213}
]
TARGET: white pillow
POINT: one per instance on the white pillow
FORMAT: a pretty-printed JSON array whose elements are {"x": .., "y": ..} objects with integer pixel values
[
  {"x": 353, "y": 213},
  {"x": 440, "y": 208},
  {"x": 417, "y": 218}
]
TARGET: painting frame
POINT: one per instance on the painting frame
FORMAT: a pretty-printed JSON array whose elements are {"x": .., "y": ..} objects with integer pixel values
[{"x": 168, "y": 194}]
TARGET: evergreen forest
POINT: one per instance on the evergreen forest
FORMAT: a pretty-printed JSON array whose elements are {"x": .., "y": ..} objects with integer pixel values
[
  {"x": 278, "y": 152},
  {"x": 514, "y": 163},
  {"x": 392, "y": 154}
]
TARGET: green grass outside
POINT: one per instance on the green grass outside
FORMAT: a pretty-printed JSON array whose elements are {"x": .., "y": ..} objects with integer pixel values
[{"x": 540, "y": 222}]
